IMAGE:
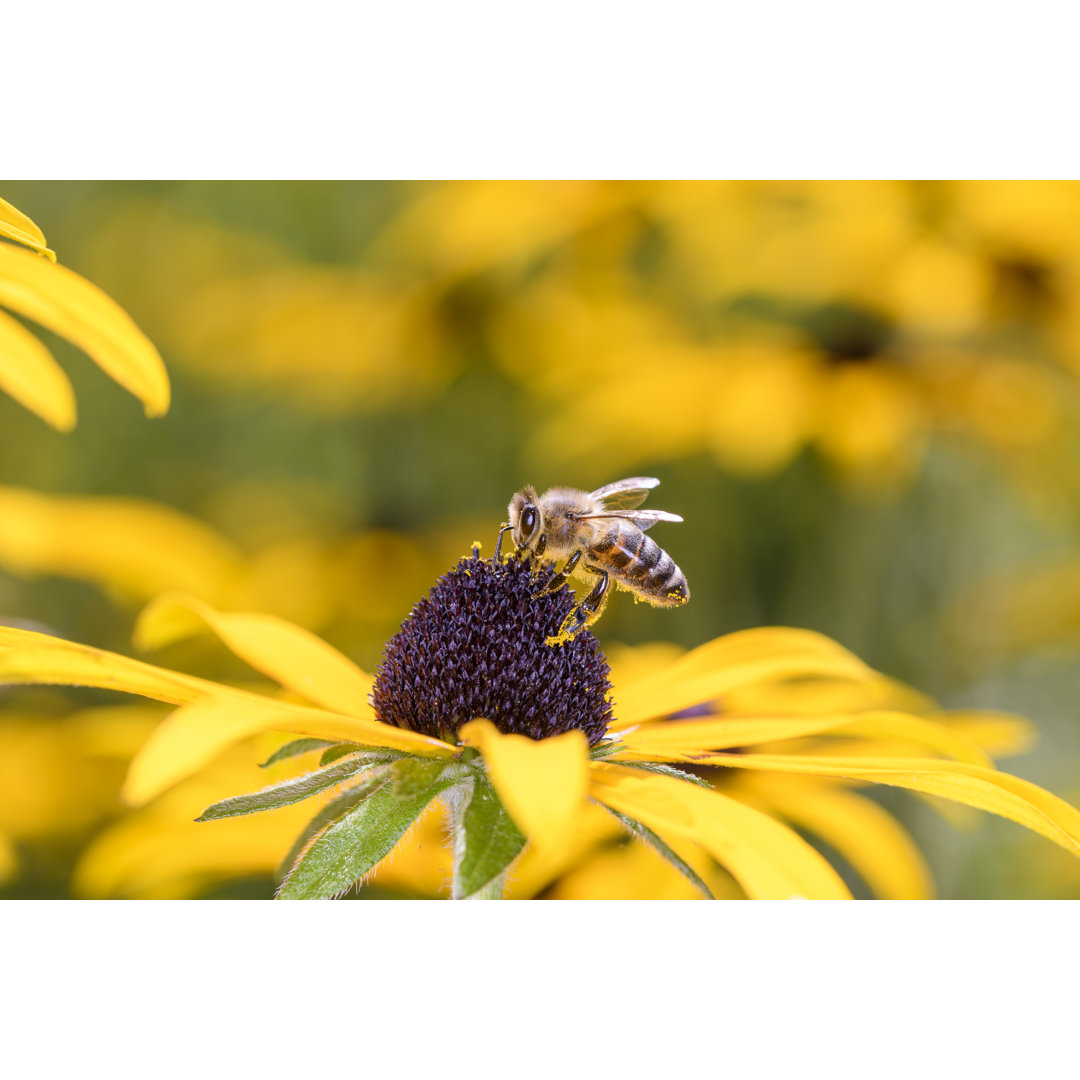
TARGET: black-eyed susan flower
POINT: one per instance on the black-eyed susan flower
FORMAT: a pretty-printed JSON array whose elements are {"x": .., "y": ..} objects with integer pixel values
[
  {"x": 34, "y": 286},
  {"x": 522, "y": 742}
]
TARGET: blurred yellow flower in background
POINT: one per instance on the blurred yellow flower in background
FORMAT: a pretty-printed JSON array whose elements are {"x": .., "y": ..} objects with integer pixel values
[{"x": 59, "y": 775}]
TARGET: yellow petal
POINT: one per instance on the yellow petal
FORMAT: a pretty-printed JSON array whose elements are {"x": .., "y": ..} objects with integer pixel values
[
  {"x": 541, "y": 784},
  {"x": 287, "y": 653},
  {"x": 72, "y": 307},
  {"x": 1000, "y": 734},
  {"x": 870, "y": 839},
  {"x": 32, "y": 377},
  {"x": 985, "y": 789},
  {"x": 682, "y": 739},
  {"x": 735, "y": 660},
  {"x": 138, "y": 547},
  {"x": 536, "y": 869},
  {"x": 15, "y": 225},
  {"x": 192, "y": 737},
  {"x": 820, "y": 696},
  {"x": 29, "y": 658},
  {"x": 920, "y": 732},
  {"x": 679, "y": 739},
  {"x": 767, "y": 859}
]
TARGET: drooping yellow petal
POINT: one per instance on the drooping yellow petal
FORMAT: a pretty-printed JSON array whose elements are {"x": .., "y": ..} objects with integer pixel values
[
  {"x": 72, "y": 307},
  {"x": 138, "y": 547},
  {"x": 868, "y": 837},
  {"x": 15, "y": 225},
  {"x": 292, "y": 656},
  {"x": 818, "y": 696},
  {"x": 919, "y": 732},
  {"x": 767, "y": 859},
  {"x": 536, "y": 869},
  {"x": 28, "y": 657},
  {"x": 192, "y": 737},
  {"x": 32, "y": 377},
  {"x": 711, "y": 670},
  {"x": 985, "y": 789},
  {"x": 676, "y": 740},
  {"x": 999, "y": 734},
  {"x": 541, "y": 784},
  {"x": 682, "y": 739}
]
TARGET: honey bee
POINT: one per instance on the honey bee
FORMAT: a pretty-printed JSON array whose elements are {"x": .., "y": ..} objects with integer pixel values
[{"x": 606, "y": 530}]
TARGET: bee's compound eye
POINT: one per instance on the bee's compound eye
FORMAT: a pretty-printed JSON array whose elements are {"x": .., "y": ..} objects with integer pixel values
[{"x": 528, "y": 521}]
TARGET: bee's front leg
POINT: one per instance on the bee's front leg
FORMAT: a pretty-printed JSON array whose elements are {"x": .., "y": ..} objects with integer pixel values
[
  {"x": 561, "y": 577},
  {"x": 498, "y": 542},
  {"x": 587, "y": 611}
]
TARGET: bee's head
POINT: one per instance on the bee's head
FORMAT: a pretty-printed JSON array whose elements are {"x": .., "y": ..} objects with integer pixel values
[{"x": 524, "y": 517}]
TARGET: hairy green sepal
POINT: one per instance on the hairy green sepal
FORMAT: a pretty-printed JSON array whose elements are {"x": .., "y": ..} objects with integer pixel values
[
  {"x": 284, "y": 794},
  {"x": 605, "y": 748},
  {"x": 643, "y": 832},
  {"x": 364, "y": 835},
  {"x": 366, "y": 755},
  {"x": 333, "y": 811},
  {"x": 666, "y": 770},
  {"x": 486, "y": 843},
  {"x": 293, "y": 749}
]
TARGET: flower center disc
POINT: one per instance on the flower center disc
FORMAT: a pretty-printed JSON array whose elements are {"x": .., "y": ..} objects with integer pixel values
[{"x": 474, "y": 647}]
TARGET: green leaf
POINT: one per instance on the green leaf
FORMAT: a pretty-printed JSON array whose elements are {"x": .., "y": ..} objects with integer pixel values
[
  {"x": 376, "y": 755},
  {"x": 364, "y": 835},
  {"x": 333, "y": 811},
  {"x": 487, "y": 842},
  {"x": 665, "y": 770},
  {"x": 643, "y": 832},
  {"x": 284, "y": 794},
  {"x": 413, "y": 775},
  {"x": 293, "y": 749}
]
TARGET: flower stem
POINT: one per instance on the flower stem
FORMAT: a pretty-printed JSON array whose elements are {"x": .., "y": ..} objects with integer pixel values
[{"x": 457, "y": 800}]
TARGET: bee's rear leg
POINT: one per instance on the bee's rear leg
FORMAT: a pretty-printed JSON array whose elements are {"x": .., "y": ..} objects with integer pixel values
[
  {"x": 586, "y": 612},
  {"x": 561, "y": 577}
]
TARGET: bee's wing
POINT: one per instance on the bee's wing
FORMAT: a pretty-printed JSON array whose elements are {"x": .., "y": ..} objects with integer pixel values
[
  {"x": 643, "y": 519},
  {"x": 625, "y": 494}
]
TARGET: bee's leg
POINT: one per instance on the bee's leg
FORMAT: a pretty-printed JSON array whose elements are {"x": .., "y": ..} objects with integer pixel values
[
  {"x": 498, "y": 542},
  {"x": 557, "y": 581},
  {"x": 587, "y": 611},
  {"x": 541, "y": 543}
]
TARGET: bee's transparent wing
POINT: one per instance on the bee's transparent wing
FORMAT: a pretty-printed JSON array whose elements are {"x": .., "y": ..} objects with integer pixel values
[
  {"x": 643, "y": 519},
  {"x": 625, "y": 494}
]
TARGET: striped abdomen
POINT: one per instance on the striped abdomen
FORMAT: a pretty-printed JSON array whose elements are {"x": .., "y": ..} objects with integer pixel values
[{"x": 638, "y": 563}]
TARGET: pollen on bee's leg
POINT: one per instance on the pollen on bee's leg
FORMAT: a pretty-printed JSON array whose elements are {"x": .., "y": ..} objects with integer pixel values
[{"x": 480, "y": 645}]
